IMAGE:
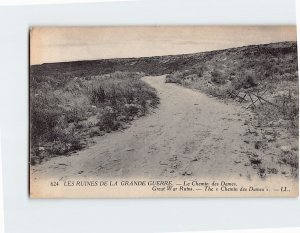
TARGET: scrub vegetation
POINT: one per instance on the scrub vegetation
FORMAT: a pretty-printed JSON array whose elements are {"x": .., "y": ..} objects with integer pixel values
[{"x": 72, "y": 102}]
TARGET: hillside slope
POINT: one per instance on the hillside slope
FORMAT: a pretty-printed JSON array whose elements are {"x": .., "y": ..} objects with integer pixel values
[
  {"x": 167, "y": 64},
  {"x": 269, "y": 70}
]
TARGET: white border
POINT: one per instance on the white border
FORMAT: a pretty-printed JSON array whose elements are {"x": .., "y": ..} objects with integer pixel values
[
  {"x": 146, "y": 215},
  {"x": 41, "y": 2}
]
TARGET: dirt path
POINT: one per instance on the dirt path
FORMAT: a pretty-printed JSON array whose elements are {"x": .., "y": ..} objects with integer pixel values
[{"x": 189, "y": 134}]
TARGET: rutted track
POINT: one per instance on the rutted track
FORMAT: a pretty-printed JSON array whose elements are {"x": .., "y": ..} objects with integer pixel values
[{"x": 189, "y": 134}]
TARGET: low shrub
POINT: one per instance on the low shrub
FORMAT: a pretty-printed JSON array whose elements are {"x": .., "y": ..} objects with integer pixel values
[
  {"x": 286, "y": 109},
  {"x": 108, "y": 119},
  {"x": 292, "y": 160},
  {"x": 246, "y": 80},
  {"x": 217, "y": 77},
  {"x": 121, "y": 101},
  {"x": 60, "y": 115},
  {"x": 175, "y": 77}
]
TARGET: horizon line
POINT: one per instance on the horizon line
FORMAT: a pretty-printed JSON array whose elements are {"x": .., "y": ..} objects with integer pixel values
[{"x": 100, "y": 59}]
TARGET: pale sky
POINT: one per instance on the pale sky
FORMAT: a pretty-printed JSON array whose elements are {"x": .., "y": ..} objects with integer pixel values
[{"x": 57, "y": 44}]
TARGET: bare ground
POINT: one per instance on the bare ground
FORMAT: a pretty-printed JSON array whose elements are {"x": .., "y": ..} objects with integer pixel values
[{"x": 189, "y": 134}]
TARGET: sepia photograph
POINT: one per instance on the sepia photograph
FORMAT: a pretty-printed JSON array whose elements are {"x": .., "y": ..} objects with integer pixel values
[{"x": 163, "y": 111}]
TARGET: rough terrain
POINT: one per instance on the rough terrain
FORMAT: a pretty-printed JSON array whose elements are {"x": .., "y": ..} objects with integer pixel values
[{"x": 189, "y": 134}]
